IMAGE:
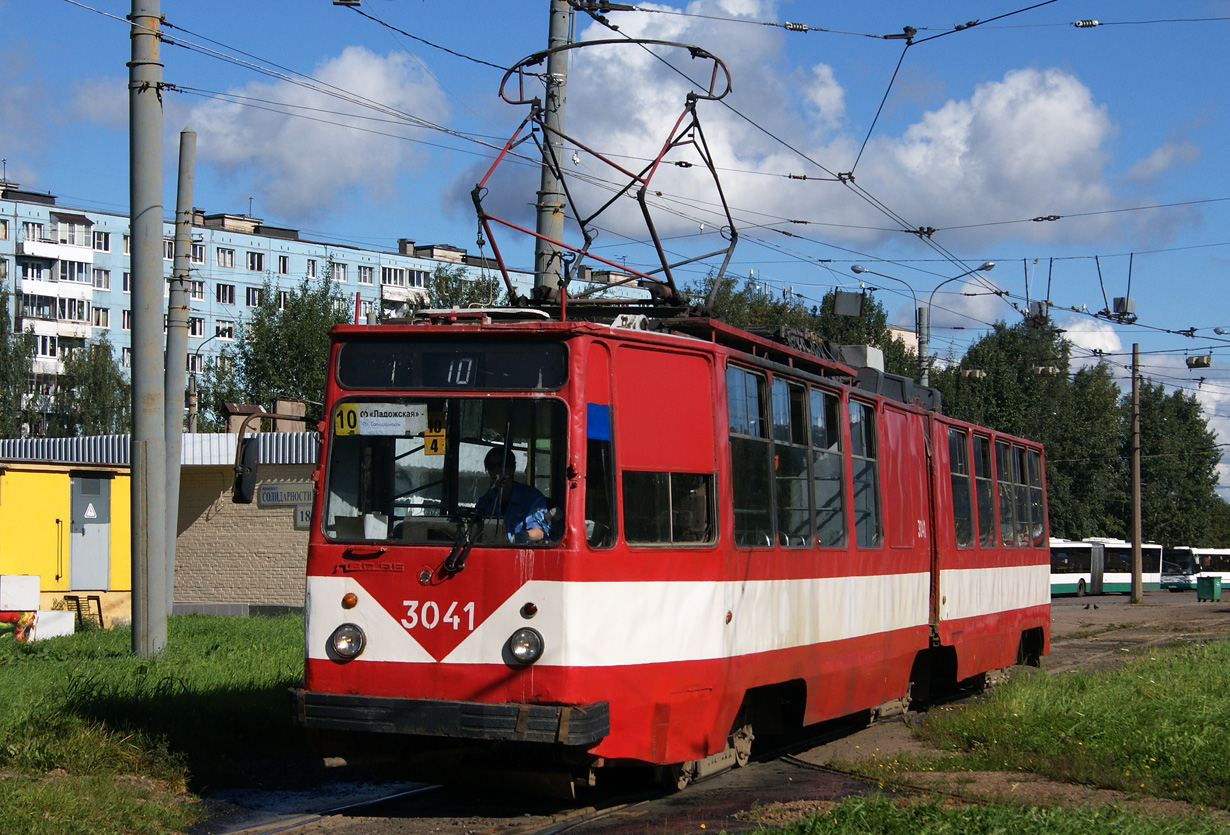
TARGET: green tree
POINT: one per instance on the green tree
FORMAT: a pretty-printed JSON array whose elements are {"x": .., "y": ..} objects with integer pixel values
[
  {"x": 16, "y": 356},
  {"x": 1178, "y": 466},
  {"x": 93, "y": 395},
  {"x": 1219, "y": 525},
  {"x": 451, "y": 286},
  {"x": 217, "y": 384},
  {"x": 283, "y": 350}
]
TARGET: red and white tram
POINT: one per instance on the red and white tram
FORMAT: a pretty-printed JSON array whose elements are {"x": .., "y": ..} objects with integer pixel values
[{"x": 736, "y": 535}]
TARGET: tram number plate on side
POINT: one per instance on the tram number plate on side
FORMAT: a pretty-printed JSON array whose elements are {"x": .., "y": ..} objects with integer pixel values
[{"x": 429, "y": 615}]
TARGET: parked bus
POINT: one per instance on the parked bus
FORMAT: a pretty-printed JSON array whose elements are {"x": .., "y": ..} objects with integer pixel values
[
  {"x": 1179, "y": 569},
  {"x": 1101, "y": 566}
]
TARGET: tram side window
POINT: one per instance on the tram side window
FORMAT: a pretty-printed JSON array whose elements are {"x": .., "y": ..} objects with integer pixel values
[
  {"x": 958, "y": 466},
  {"x": 1020, "y": 493},
  {"x": 984, "y": 486},
  {"x": 1037, "y": 513},
  {"x": 865, "y": 474},
  {"x": 826, "y": 465},
  {"x": 668, "y": 508},
  {"x": 790, "y": 464},
  {"x": 750, "y": 452},
  {"x": 1003, "y": 472}
]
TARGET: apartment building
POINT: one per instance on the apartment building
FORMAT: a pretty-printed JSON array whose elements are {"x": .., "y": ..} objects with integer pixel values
[{"x": 67, "y": 270}]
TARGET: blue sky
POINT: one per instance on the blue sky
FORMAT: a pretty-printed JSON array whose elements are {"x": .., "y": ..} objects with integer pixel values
[{"x": 1118, "y": 130}]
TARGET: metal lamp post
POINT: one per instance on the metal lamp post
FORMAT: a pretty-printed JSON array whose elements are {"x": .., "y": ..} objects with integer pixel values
[
  {"x": 859, "y": 269},
  {"x": 924, "y": 324}
]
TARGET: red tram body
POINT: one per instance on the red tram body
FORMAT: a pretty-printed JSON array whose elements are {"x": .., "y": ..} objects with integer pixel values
[{"x": 742, "y": 535}]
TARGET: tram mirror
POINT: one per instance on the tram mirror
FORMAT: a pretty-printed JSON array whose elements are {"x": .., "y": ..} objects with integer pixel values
[{"x": 245, "y": 472}]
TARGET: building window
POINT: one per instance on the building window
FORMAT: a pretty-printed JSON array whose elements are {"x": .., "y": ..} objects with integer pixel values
[
  {"x": 283, "y": 264},
  {"x": 102, "y": 241},
  {"x": 256, "y": 262},
  {"x": 102, "y": 317},
  {"x": 393, "y": 276},
  {"x": 226, "y": 257},
  {"x": 47, "y": 347},
  {"x": 252, "y": 296},
  {"x": 196, "y": 326},
  {"x": 226, "y": 293},
  {"x": 418, "y": 278},
  {"x": 198, "y": 253},
  {"x": 196, "y": 291},
  {"x": 4, "y": 230},
  {"x": 4, "y": 270},
  {"x": 31, "y": 231},
  {"x": 126, "y": 320},
  {"x": 102, "y": 279},
  {"x": 194, "y": 363},
  {"x": 38, "y": 307},
  {"x": 311, "y": 268},
  {"x": 224, "y": 330},
  {"x": 73, "y": 234},
  {"x": 127, "y": 282},
  {"x": 74, "y": 310},
  {"x": 127, "y": 245},
  {"x": 367, "y": 275},
  {"x": 125, "y": 358},
  {"x": 339, "y": 273},
  {"x": 224, "y": 363},
  {"x": 168, "y": 249},
  {"x": 283, "y": 298},
  {"x": 75, "y": 271},
  {"x": 31, "y": 271}
]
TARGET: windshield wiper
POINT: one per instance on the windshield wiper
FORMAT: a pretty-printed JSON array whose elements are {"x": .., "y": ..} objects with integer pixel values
[{"x": 469, "y": 529}]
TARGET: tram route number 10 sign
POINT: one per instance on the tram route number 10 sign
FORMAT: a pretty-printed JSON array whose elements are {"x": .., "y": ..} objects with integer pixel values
[{"x": 399, "y": 419}]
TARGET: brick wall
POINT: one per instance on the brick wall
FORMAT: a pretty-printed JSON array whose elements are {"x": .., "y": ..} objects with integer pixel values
[{"x": 234, "y": 553}]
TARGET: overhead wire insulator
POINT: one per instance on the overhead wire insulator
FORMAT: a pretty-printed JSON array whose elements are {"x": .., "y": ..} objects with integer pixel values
[
  {"x": 795, "y": 27},
  {"x": 1086, "y": 24}
]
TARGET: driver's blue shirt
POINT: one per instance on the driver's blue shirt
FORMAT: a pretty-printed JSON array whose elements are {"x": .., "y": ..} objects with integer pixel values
[{"x": 527, "y": 509}]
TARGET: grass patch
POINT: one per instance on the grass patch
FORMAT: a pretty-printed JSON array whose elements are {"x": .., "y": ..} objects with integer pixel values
[
  {"x": 1157, "y": 726},
  {"x": 878, "y": 815},
  {"x": 81, "y": 715}
]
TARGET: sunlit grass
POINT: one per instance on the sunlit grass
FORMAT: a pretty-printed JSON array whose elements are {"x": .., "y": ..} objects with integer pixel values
[
  {"x": 1159, "y": 725},
  {"x": 878, "y": 815},
  {"x": 83, "y": 717}
]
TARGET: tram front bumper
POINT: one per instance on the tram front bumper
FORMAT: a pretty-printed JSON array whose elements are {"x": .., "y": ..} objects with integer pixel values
[{"x": 582, "y": 725}]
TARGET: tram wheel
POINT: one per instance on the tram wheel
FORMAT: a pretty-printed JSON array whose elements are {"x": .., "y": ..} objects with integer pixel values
[
  {"x": 741, "y": 741},
  {"x": 675, "y": 777}
]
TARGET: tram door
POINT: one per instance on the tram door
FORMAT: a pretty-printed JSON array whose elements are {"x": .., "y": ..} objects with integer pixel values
[
  {"x": 89, "y": 550},
  {"x": 1097, "y": 564}
]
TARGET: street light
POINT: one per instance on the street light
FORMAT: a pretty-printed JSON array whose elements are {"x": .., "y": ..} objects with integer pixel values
[
  {"x": 192, "y": 392},
  {"x": 859, "y": 269},
  {"x": 924, "y": 324}
]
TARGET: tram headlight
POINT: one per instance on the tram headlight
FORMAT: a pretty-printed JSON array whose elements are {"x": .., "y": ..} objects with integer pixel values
[
  {"x": 347, "y": 641},
  {"x": 525, "y": 645}
]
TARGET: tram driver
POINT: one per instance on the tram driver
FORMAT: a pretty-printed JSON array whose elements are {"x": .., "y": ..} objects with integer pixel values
[{"x": 522, "y": 507}]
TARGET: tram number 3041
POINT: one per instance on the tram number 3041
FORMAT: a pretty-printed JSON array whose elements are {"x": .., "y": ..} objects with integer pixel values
[{"x": 428, "y": 616}]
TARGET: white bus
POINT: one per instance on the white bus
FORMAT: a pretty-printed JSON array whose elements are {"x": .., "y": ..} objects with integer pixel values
[{"x": 1101, "y": 566}]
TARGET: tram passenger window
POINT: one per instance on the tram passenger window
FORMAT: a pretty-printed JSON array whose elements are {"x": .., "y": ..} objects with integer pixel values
[
  {"x": 958, "y": 466},
  {"x": 1020, "y": 493},
  {"x": 826, "y": 468},
  {"x": 750, "y": 458},
  {"x": 1037, "y": 513},
  {"x": 984, "y": 486},
  {"x": 790, "y": 464},
  {"x": 865, "y": 474},
  {"x": 668, "y": 508},
  {"x": 1003, "y": 473}
]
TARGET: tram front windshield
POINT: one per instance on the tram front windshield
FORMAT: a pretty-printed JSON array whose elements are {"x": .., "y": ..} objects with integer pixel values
[{"x": 424, "y": 470}]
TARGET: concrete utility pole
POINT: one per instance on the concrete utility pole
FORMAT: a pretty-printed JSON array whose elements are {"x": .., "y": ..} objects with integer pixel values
[
  {"x": 1138, "y": 588},
  {"x": 548, "y": 263},
  {"x": 177, "y": 346},
  {"x": 148, "y": 449}
]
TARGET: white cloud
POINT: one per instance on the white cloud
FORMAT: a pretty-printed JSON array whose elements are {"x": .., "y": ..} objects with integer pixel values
[
  {"x": 1089, "y": 335},
  {"x": 103, "y": 101},
  {"x": 303, "y": 167},
  {"x": 1163, "y": 160},
  {"x": 24, "y": 130}
]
